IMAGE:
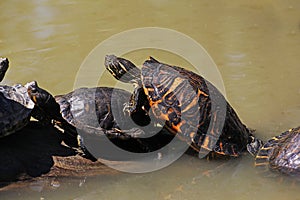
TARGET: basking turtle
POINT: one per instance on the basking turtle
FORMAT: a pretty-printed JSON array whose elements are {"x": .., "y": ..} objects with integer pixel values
[
  {"x": 280, "y": 153},
  {"x": 15, "y": 104},
  {"x": 188, "y": 103},
  {"x": 93, "y": 112}
]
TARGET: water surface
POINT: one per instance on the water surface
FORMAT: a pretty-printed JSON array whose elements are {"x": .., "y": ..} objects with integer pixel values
[{"x": 255, "y": 46}]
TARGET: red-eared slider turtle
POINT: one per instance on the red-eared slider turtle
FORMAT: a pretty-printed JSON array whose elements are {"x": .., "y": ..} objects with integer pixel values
[
  {"x": 280, "y": 153},
  {"x": 173, "y": 92},
  {"x": 93, "y": 112},
  {"x": 15, "y": 104}
]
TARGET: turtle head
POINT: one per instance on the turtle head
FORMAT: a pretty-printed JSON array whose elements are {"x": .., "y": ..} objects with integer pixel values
[
  {"x": 46, "y": 107},
  {"x": 38, "y": 95},
  {"x": 122, "y": 69},
  {"x": 254, "y": 145},
  {"x": 3, "y": 67}
]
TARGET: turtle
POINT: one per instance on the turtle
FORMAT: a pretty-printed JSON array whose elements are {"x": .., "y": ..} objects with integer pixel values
[
  {"x": 189, "y": 104},
  {"x": 16, "y": 105},
  {"x": 93, "y": 113},
  {"x": 280, "y": 153}
]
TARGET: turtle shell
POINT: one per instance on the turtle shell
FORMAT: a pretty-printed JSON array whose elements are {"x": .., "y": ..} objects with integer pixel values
[
  {"x": 96, "y": 112},
  {"x": 94, "y": 109},
  {"x": 193, "y": 107},
  {"x": 15, "y": 110},
  {"x": 282, "y": 153}
]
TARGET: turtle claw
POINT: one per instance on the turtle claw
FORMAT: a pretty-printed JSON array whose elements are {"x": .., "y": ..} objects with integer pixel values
[
  {"x": 131, "y": 134},
  {"x": 135, "y": 133},
  {"x": 125, "y": 134},
  {"x": 55, "y": 124},
  {"x": 116, "y": 134},
  {"x": 127, "y": 108}
]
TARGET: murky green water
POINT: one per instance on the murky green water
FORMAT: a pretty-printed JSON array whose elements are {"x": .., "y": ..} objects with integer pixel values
[{"x": 255, "y": 46}]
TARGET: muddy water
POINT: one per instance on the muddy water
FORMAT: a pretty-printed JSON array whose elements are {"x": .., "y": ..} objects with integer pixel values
[{"x": 255, "y": 46}]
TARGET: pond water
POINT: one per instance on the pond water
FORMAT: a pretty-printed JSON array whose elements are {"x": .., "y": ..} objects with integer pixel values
[{"x": 255, "y": 46}]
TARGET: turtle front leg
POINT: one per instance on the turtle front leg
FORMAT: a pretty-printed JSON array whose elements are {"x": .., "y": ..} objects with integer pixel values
[
  {"x": 133, "y": 105},
  {"x": 127, "y": 109},
  {"x": 138, "y": 107}
]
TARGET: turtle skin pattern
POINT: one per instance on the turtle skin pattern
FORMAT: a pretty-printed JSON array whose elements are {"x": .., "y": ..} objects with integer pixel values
[{"x": 282, "y": 153}]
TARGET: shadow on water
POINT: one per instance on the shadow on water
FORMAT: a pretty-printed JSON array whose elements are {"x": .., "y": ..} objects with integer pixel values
[
  {"x": 38, "y": 151},
  {"x": 28, "y": 152}
]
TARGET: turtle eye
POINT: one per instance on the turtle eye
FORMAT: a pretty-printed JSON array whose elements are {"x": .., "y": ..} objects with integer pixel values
[{"x": 33, "y": 89}]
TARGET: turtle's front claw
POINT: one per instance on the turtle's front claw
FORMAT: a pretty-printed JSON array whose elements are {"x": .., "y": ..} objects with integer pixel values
[{"x": 127, "y": 108}]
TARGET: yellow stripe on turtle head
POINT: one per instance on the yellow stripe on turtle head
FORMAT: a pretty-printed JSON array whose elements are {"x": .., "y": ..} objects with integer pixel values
[{"x": 34, "y": 99}]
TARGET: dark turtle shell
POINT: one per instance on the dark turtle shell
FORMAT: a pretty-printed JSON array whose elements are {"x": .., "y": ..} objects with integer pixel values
[
  {"x": 15, "y": 110},
  {"x": 16, "y": 105},
  {"x": 282, "y": 153},
  {"x": 94, "y": 109},
  {"x": 91, "y": 110},
  {"x": 93, "y": 113},
  {"x": 188, "y": 103}
]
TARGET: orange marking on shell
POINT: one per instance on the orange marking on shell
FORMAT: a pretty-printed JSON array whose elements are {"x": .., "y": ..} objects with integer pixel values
[
  {"x": 192, "y": 135},
  {"x": 177, "y": 128},
  {"x": 205, "y": 143},
  {"x": 212, "y": 129},
  {"x": 193, "y": 103},
  {"x": 177, "y": 81},
  {"x": 221, "y": 153},
  {"x": 151, "y": 102},
  {"x": 146, "y": 90},
  {"x": 206, "y": 148},
  {"x": 221, "y": 146},
  {"x": 200, "y": 92},
  {"x": 149, "y": 89}
]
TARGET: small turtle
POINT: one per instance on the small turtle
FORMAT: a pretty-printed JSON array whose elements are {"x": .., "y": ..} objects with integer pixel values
[
  {"x": 95, "y": 112},
  {"x": 184, "y": 100},
  {"x": 280, "y": 153},
  {"x": 15, "y": 104}
]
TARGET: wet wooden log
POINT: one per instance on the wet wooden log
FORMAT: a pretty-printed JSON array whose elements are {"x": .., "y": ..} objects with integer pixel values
[{"x": 38, "y": 151}]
